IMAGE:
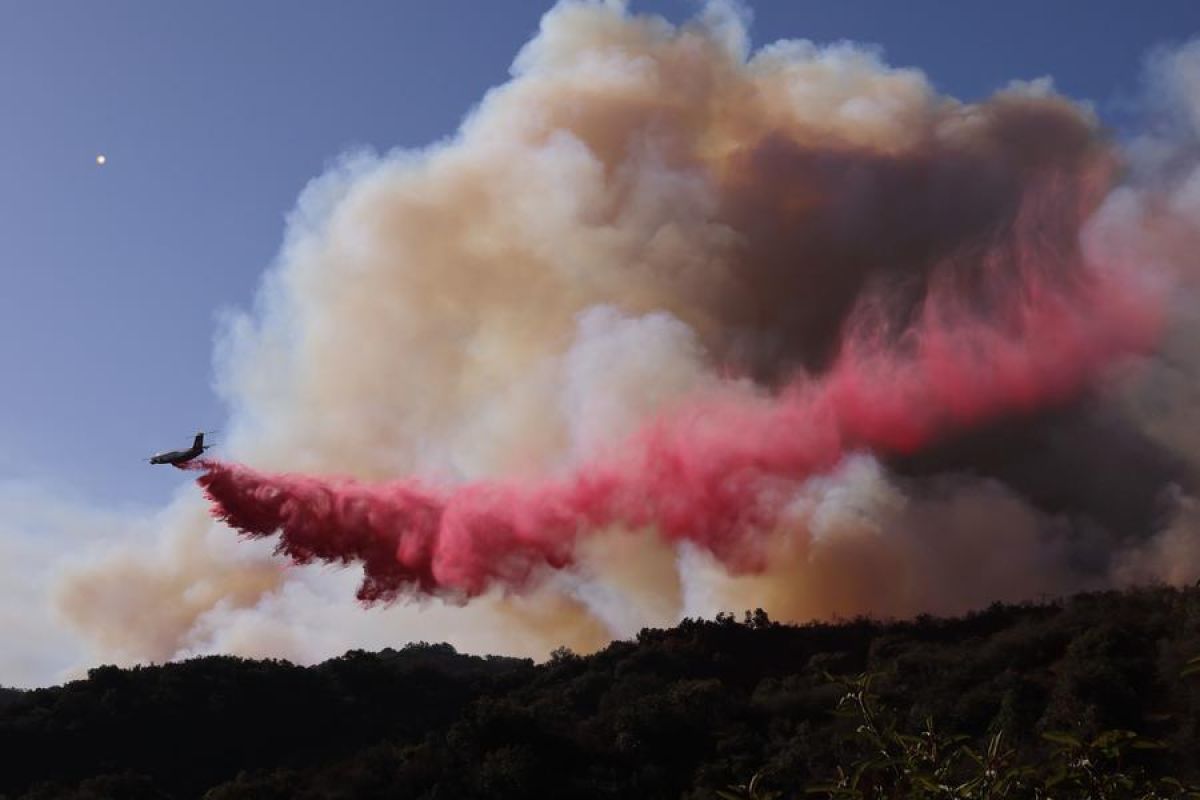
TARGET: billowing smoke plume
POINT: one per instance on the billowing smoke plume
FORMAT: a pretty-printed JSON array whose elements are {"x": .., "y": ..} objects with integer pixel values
[
  {"x": 670, "y": 327},
  {"x": 716, "y": 472}
]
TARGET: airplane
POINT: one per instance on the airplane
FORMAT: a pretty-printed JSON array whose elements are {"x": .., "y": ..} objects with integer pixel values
[{"x": 178, "y": 458}]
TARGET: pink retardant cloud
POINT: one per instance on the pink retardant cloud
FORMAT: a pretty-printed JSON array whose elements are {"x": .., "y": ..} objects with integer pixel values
[{"x": 717, "y": 471}]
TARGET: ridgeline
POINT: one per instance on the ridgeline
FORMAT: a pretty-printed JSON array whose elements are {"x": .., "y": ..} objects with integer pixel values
[{"x": 696, "y": 711}]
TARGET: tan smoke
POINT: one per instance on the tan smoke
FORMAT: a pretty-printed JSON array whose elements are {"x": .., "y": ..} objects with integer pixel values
[
  {"x": 424, "y": 304},
  {"x": 858, "y": 544},
  {"x": 642, "y": 212},
  {"x": 146, "y": 605}
]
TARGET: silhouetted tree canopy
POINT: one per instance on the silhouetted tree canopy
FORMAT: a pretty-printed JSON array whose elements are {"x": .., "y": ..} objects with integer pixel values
[{"x": 682, "y": 712}]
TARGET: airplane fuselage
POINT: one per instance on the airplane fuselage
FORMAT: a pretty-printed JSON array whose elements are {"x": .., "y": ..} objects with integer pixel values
[
  {"x": 180, "y": 457},
  {"x": 176, "y": 456}
]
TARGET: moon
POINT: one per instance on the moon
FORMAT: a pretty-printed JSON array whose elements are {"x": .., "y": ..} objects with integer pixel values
[{"x": 101, "y": 160}]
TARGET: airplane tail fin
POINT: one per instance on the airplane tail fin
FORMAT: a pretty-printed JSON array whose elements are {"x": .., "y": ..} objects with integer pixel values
[{"x": 198, "y": 444}]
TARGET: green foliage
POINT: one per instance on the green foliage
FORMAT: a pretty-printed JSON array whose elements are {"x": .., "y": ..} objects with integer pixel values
[
  {"x": 749, "y": 791},
  {"x": 927, "y": 764},
  {"x": 985, "y": 706}
]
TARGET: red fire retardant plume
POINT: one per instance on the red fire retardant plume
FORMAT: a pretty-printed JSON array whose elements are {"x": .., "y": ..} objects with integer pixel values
[{"x": 716, "y": 472}]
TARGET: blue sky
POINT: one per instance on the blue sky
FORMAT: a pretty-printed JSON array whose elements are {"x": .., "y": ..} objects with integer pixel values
[{"x": 214, "y": 115}]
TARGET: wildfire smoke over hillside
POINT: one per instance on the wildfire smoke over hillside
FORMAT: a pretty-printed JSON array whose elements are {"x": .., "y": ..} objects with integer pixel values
[{"x": 671, "y": 326}]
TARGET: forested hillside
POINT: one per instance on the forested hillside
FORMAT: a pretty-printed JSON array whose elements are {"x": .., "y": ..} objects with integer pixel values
[{"x": 686, "y": 712}]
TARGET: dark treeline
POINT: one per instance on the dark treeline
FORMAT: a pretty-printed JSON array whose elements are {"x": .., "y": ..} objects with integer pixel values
[{"x": 684, "y": 712}]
